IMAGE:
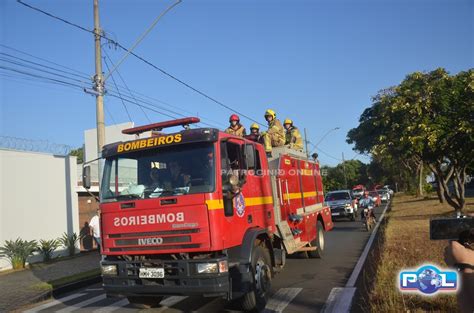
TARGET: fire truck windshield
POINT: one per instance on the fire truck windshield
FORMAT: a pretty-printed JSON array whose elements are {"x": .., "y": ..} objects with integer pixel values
[{"x": 162, "y": 172}]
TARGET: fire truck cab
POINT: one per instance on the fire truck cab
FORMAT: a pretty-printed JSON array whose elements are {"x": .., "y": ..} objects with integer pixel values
[{"x": 202, "y": 212}]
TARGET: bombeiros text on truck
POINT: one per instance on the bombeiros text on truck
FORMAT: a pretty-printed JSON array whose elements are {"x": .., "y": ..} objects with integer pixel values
[{"x": 202, "y": 212}]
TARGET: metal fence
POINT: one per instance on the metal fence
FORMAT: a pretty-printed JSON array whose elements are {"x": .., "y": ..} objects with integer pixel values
[{"x": 44, "y": 146}]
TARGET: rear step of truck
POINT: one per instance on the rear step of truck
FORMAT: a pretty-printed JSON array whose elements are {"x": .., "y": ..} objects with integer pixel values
[{"x": 291, "y": 243}]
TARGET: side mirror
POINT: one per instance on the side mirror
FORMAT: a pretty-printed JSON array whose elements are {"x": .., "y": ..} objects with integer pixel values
[
  {"x": 249, "y": 153},
  {"x": 86, "y": 177}
]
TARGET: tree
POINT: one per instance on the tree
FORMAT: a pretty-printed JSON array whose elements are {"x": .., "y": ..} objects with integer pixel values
[
  {"x": 79, "y": 153},
  {"x": 353, "y": 172},
  {"x": 427, "y": 120}
]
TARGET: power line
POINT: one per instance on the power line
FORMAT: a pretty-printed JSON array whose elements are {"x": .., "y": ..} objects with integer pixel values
[
  {"x": 123, "y": 102},
  {"x": 117, "y": 44},
  {"x": 84, "y": 75}
]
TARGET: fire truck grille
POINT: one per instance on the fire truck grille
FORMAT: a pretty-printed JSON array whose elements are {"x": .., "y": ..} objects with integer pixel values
[
  {"x": 167, "y": 247},
  {"x": 152, "y": 241}
]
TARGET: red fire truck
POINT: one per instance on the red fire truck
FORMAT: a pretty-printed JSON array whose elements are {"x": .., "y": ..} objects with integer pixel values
[{"x": 202, "y": 212}]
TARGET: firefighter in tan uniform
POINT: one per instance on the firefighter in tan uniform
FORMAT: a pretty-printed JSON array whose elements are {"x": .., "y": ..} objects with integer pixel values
[
  {"x": 293, "y": 136},
  {"x": 255, "y": 133},
  {"x": 275, "y": 135},
  {"x": 235, "y": 127}
]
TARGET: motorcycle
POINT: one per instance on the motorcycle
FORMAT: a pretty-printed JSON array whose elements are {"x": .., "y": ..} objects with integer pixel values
[{"x": 369, "y": 216}]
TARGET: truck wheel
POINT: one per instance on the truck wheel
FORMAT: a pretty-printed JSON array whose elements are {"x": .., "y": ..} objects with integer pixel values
[
  {"x": 318, "y": 243},
  {"x": 261, "y": 269},
  {"x": 144, "y": 302}
]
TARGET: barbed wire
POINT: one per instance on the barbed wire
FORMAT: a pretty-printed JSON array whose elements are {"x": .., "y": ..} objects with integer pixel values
[{"x": 32, "y": 145}]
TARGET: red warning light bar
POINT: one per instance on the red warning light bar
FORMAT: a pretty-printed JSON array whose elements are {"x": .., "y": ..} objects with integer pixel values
[{"x": 159, "y": 126}]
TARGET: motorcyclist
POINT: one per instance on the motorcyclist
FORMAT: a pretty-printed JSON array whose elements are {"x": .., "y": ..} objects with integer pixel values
[{"x": 366, "y": 202}]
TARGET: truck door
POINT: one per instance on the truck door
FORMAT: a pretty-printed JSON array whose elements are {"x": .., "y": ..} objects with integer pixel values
[{"x": 237, "y": 206}]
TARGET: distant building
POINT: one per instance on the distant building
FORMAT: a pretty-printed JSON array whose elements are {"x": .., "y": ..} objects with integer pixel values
[{"x": 88, "y": 203}]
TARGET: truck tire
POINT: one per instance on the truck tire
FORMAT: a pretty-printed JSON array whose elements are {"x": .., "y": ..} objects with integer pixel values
[
  {"x": 144, "y": 302},
  {"x": 261, "y": 269},
  {"x": 318, "y": 243}
]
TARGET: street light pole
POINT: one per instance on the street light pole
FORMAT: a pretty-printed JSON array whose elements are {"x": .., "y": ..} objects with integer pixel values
[{"x": 324, "y": 136}]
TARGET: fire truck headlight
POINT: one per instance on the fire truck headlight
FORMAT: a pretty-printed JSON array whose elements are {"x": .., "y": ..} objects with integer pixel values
[
  {"x": 110, "y": 270},
  {"x": 207, "y": 268}
]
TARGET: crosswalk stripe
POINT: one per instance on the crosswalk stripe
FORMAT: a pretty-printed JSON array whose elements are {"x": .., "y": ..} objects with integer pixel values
[
  {"x": 53, "y": 303},
  {"x": 280, "y": 300},
  {"x": 170, "y": 301},
  {"x": 112, "y": 307},
  {"x": 82, "y": 304}
]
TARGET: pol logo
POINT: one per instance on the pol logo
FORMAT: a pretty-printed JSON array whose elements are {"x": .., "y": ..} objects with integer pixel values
[{"x": 428, "y": 280}]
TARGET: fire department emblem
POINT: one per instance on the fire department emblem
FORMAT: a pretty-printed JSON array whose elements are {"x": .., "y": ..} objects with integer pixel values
[{"x": 239, "y": 204}]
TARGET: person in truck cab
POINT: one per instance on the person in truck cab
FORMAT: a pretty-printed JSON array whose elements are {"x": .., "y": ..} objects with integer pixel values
[
  {"x": 293, "y": 136},
  {"x": 156, "y": 179},
  {"x": 275, "y": 135},
  {"x": 176, "y": 178},
  {"x": 235, "y": 127}
]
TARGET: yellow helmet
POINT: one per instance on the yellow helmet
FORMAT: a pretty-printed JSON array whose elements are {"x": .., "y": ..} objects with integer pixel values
[
  {"x": 270, "y": 112},
  {"x": 254, "y": 125},
  {"x": 288, "y": 121}
]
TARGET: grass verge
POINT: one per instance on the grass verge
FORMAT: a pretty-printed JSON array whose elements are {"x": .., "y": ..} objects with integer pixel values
[{"x": 406, "y": 244}]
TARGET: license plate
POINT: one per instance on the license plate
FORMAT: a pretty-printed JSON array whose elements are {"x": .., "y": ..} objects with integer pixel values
[
  {"x": 335, "y": 214},
  {"x": 151, "y": 273}
]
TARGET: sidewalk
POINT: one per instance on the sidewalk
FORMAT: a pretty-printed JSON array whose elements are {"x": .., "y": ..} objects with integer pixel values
[{"x": 37, "y": 283}]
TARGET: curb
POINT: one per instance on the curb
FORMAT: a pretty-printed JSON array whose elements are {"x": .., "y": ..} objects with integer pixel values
[
  {"x": 340, "y": 299},
  {"x": 76, "y": 285},
  {"x": 59, "y": 290}
]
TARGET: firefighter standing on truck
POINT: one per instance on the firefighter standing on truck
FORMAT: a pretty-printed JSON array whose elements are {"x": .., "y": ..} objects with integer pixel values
[
  {"x": 275, "y": 135},
  {"x": 255, "y": 133},
  {"x": 293, "y": 136},
  {"x": 235, "y": 127}
]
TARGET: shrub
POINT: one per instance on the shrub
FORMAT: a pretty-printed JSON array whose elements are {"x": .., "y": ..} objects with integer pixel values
[
  {"x": 69, "y": 242},
  {"x": 18, "y": 251},
  {"x": 47, "y": 248}
]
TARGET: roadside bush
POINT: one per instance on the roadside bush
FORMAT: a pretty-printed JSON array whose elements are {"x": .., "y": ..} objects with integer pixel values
[
  {"x": 18, "y": 251},
  {"x": 69, "y": 242},
  {"x": 47, "y": 248}
]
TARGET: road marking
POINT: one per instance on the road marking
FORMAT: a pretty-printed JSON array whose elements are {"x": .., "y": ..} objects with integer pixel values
[
  {"x": 113, "y": 306},
  {"x": 280, "y": 300},
  {"x": 53, "y": 303},
  {"x": 82, "y": 304},
  {"x": 170, "y": 301},
  {"x": 340, "y": 299}
]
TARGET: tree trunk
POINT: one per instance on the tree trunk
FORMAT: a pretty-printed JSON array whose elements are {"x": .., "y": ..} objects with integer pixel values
[
  {"x": 419, "y": 191},
  {"x": 440, "y": 190}
]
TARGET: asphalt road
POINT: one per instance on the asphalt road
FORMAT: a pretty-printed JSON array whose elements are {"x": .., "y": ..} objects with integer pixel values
[{"x": 303, "y": 286}]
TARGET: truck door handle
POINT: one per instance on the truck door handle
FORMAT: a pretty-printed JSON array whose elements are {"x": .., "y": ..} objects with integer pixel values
[{"x": 249, "y": 219}]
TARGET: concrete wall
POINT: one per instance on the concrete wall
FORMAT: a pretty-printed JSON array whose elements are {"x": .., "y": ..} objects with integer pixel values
[{"x": 38, "y": 198}]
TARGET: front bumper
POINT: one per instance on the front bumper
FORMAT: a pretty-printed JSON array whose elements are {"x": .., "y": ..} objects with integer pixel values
[
  {"x": 342, "y": 212},
  {"x": 180, "y": 278}
]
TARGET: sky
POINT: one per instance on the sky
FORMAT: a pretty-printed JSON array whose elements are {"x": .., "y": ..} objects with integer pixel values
[{"x": 316, "y": 62}]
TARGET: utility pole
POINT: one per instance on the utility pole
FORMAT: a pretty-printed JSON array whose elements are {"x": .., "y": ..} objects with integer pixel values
[
  {"x": 306, "y": 143},
  {"x": 99, "y": 86},
  {"x": 344, "y": 170}
]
